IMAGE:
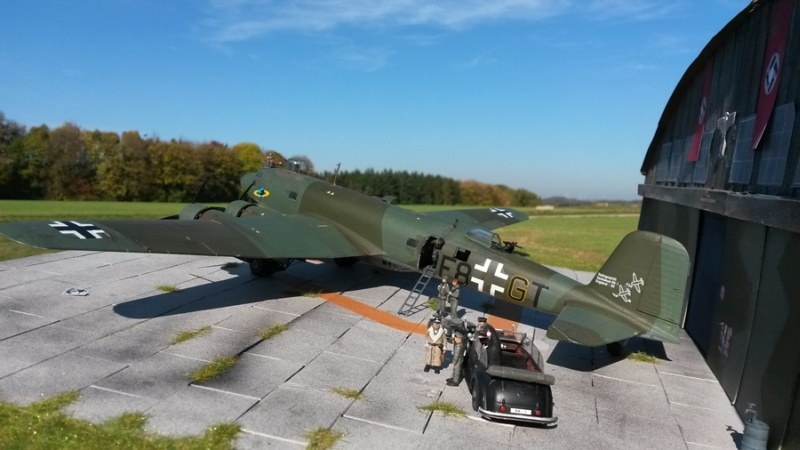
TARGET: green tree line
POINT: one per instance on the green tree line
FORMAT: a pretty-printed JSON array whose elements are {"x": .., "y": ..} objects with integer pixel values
[
  {"x": 70, "y": 163},
  {"x": 419, "y": 188}
]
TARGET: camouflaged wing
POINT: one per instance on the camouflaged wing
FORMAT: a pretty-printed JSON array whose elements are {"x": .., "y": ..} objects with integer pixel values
[
  {"x": 276, "y": 236},
  {"x": 489, "y": 218}
]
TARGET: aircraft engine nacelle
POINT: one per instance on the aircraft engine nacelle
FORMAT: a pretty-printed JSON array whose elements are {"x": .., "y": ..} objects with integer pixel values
[
  {"x": 237, "y": 207},
  {"x": 195, "y": 210}
]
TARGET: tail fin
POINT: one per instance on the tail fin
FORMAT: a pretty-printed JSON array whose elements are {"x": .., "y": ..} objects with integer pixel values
[{"x": 640, "y": 289}]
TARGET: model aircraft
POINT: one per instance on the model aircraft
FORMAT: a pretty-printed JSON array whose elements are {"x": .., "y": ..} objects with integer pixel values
[{"x": 284, "y": 215}]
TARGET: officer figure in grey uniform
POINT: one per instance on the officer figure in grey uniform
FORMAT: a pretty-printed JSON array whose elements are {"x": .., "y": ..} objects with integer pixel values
[
  {"x": 443, "y": 290},
  {"x": 453, "y": 292},
  {"x": 458, "y": 358}
]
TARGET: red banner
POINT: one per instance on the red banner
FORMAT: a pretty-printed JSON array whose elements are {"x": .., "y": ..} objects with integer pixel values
[
  {"x": 773, "y": 63},
  {"x": 694, "y": 151}
]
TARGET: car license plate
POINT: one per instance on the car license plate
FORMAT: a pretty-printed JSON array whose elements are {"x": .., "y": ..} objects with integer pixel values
[{"x": 520, "y": 411}]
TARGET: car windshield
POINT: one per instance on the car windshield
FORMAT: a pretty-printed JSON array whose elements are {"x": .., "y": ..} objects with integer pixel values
[{"x": 485, "y": 237}]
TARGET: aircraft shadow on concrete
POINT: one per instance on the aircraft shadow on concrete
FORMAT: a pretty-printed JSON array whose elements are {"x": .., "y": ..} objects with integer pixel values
[
  {"x": 295, "y": 281},
  {"x": 301, "y": 277}
]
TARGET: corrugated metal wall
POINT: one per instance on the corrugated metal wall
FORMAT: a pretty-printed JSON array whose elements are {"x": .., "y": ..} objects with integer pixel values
[
  {"x": 736, "y": 57},
  {"x": 743, "y": 308}
]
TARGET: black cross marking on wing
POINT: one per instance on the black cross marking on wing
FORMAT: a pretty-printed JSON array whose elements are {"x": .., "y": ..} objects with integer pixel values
[{"x": 80, "y": 230}]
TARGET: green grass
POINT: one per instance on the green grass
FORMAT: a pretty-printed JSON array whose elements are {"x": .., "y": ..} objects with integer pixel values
[
  {"x": 577, "y": 242},
  {"x": 433, "y": 303},
  {"x": 184, "y": 336},
  {"x": 44, "y": 425},
  {"x": 322, "y": 438},
  {"x": 213, "y": 369},
  {"x": 273, "y": 331},
  {"x": 167, "y": 288},
  {"x": 25, "y": 210},
  {"x": 643, "y": 357},
  {"x": 348, "y": 393},
  {"x": 580, "y": 237},
  {"x": 448, "y": 409}
]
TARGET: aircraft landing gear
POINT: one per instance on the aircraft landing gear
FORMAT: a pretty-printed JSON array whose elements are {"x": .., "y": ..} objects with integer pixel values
[
  {"x": 347, "y": 261},
  {"x": 266, "y": 267},
  {"x": 616, "y": 349}
]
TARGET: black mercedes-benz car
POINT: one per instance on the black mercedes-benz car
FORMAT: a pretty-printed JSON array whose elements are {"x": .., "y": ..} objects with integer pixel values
[{"x": 504, "y": 373}]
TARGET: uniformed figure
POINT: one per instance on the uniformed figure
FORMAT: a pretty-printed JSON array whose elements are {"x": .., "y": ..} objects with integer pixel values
[
  {"x": 443, "y": 290},
  {"x": 458, "y": 358},
  {"x": 480, "y": 330},
  {"x": 437, "y": 248},
  {"x": 452, "y": 298},
  {"x": 434, "y": 346}
]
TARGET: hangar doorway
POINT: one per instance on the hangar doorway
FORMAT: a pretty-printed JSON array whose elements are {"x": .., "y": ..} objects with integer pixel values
[{"x": 707, "y": 279}]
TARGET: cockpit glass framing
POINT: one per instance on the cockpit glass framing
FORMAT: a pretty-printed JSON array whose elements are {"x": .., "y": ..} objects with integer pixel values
[{"x": 485, "y": 237}]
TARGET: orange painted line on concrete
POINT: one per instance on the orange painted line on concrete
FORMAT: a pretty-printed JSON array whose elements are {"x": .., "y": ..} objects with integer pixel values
[
  {"x": 502, "y": 323},
  {"x": 373, "y": 314}
]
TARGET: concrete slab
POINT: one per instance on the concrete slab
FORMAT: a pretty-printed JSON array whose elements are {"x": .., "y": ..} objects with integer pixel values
[
  {"x": 403, "y": 385},
  {"x": 193, "y": 409},
  {"x": 277, "y": 415},
  {"x": 254, "y": 376},
  {"x": 13, "y": 322},
  {"x": 369, "y": 341},
  {"x": 332, "y": 370},
  {"x": 359, "y": 434},
  {"x": 219, "y": 342},
  {"x": 114, "y": 347},
  {"x": 293, "y": 345},
  {"x": 99, "y": 405},
  {"x": 127, "y": 346},
  {"x": 157, "y": 377},
  {"x": 63, "y": 373}
]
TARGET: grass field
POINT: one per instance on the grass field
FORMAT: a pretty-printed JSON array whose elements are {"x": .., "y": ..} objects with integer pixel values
[{"x": 579, "y": 238}]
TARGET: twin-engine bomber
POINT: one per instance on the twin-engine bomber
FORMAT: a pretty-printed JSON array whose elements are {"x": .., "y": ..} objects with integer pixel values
[{"x": 284, "y": 216}]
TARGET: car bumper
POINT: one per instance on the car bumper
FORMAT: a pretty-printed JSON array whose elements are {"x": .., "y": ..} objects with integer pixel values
[{"x": 518, "y": 417}]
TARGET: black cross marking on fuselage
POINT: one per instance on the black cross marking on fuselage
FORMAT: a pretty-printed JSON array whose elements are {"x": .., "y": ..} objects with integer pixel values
[{"x": 80, "y": 230}]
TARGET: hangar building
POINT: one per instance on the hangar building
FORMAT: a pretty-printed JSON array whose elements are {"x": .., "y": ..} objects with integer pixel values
[{"x": 722, "y": 175}]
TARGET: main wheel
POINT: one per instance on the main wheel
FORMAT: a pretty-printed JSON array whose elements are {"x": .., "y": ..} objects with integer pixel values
[{"x": 264, "y": 267}]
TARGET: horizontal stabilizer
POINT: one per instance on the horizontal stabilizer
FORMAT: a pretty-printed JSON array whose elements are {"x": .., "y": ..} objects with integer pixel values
[{"x": 582, "y": 325}]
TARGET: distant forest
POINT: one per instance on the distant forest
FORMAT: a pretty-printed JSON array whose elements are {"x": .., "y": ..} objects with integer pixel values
[{"x": 69, "y": 163}]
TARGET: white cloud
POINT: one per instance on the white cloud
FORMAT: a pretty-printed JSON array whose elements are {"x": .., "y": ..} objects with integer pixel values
[{"x": 239, "y": 20}]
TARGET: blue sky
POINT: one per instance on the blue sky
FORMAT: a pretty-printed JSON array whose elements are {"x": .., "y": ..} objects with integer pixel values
[{"x": 557, "y": 97}]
